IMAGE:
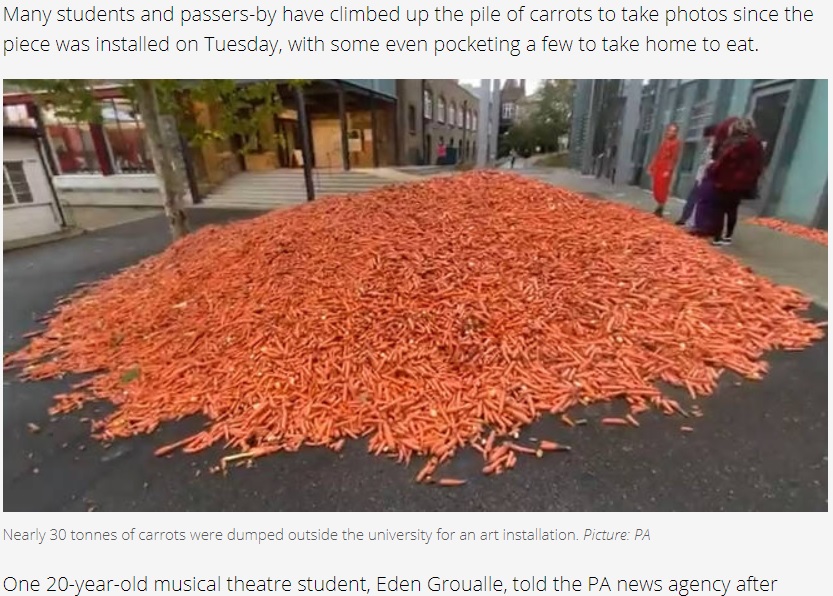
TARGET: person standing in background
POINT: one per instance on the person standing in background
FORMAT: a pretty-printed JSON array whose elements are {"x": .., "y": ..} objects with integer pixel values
[
  {"x": 663, "y": 165},
  {"x": 708, "y": 216},
  {"x": 735, "y": 171},
  {"x": 721, "y": 133},
  {"x": 696, "y": 192}
]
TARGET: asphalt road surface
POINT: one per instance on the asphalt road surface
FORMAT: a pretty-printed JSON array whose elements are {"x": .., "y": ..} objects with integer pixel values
[{"x": 759, "y": 447}]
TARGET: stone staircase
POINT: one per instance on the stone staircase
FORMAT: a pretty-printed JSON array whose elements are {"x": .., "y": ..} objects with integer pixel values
[{"x": 285, "y": 188}]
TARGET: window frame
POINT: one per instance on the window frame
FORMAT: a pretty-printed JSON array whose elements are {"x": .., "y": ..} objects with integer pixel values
[
  {"x": 10, "y": 184},
  {"x": 428, "y": 105}
]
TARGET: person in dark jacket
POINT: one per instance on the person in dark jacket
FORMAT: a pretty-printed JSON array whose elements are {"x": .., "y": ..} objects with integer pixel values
[{"x": 735, "y": 172}]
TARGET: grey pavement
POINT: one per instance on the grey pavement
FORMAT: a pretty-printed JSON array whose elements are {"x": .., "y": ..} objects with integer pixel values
[
  {"x": 759, "y": 447},
  {"x": 785, "y": 259}
]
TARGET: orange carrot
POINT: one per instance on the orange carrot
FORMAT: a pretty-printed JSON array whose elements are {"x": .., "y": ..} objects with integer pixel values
[
  {"x": 552, "y": 446},
  {"x": 450, "y": 482},
  {"x": 615, "y": 422},
  {"x": 522, "y": 449},
  {"x": 379, "y": 317},
  {"x": 812, "y": 234}
]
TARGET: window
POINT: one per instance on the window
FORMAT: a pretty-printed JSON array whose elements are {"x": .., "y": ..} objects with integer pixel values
[
  {"x": 412, "y": 119},
  {"x": 74, "y": 148},
  {"x": 452, "y": 114},
  {"x": 474, "y": 120},
  {"x": 466, "y": 119},
  {"x": 17, "y": 115},
  {"x": 507, "y": 111},
  {"x": 679, "y": 97},
  {"x": 428, "y": 110},
  {"x": 15, "y": 185},
  {"x": 701, "y": 91},
  {"x": 461, "y": 118},
  {"x": 689, "y": 157},
  {"x": 125, "y": 134},
  {"x": 441, "y": 110}
]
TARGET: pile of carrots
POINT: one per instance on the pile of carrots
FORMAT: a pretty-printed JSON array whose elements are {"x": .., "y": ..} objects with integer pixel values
[
  {"x": 811, "y": 234},
  {"x": 429, "y": 318}
]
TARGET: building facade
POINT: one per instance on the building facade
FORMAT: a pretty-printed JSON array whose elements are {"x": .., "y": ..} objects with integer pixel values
[
  {"x": 351, "y": 124},
  {"x": 511, "y": 94},
  {"x": 791, "y": 117},
  {"x": 437, "y": 120},
  {"x": 30, "y": 205}
]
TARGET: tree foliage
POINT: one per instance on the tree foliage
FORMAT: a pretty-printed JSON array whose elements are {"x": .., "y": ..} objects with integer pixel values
[
  {"x": 547, "y": 119},
  {"x": 245, "y": 107}
]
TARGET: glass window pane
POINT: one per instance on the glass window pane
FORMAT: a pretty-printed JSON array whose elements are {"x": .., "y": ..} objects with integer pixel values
[
  {"x": 125, "y": 132},
  {"x": 8, "y": 197},
  {"x": 74, "y": 148},
  {"x": 17, "y": 180}
]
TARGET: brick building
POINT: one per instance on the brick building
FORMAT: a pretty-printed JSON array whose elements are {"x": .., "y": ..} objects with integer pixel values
[{"x": 435, "y": 113}]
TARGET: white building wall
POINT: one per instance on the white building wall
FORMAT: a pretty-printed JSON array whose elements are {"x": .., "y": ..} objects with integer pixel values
[{"x": 41, "y": 217}]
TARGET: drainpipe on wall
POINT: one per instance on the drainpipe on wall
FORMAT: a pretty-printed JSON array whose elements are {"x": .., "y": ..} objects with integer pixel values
[
  {"x": 40, "y": 151},
  {"x": 37, "y": 115},
  {"x": 421, "y": 119}
]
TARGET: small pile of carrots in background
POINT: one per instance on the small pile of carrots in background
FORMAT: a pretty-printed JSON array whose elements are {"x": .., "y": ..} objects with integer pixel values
[
  {"x": 811, "y": 234},
  {"x": 428, "y": 318}
]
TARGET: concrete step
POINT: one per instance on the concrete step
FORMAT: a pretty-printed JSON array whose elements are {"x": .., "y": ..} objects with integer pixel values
[{"x": 288, "y": 187}]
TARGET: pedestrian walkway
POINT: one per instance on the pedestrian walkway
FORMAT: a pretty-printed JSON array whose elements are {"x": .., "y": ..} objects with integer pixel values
[
  {"x": 785, "y": 259},
  {"x": 285, "y": 188}
]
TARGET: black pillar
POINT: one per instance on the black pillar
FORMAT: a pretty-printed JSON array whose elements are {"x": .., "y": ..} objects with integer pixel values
[
  {"x": 306, "y": 151},
  {"x": 397, "y": 146},
  {"x": 375, "y": 140},
  {"x": 342, "y": 120}
]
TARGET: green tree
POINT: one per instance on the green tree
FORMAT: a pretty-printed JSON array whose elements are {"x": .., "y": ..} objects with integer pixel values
[
  {"x": 245, "y": 107},
  {"x": 547, "y": 119}
]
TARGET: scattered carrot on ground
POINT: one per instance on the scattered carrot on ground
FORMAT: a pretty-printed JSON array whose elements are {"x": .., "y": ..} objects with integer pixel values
[
  {"x": 812, "y": 234},
  {"x": 615, "y": 422},
  {"x": 426, "y": 318},
  {"x": 450, "y": 482}
]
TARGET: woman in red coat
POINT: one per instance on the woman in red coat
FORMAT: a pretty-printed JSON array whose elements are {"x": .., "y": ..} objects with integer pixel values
[{"x": 663, "y": 165}]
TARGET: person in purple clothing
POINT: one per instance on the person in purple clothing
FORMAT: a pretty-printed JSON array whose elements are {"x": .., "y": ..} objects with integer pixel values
[
  {"x": 696, "y": 192},
  {"x": 708, "y": 215}
]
